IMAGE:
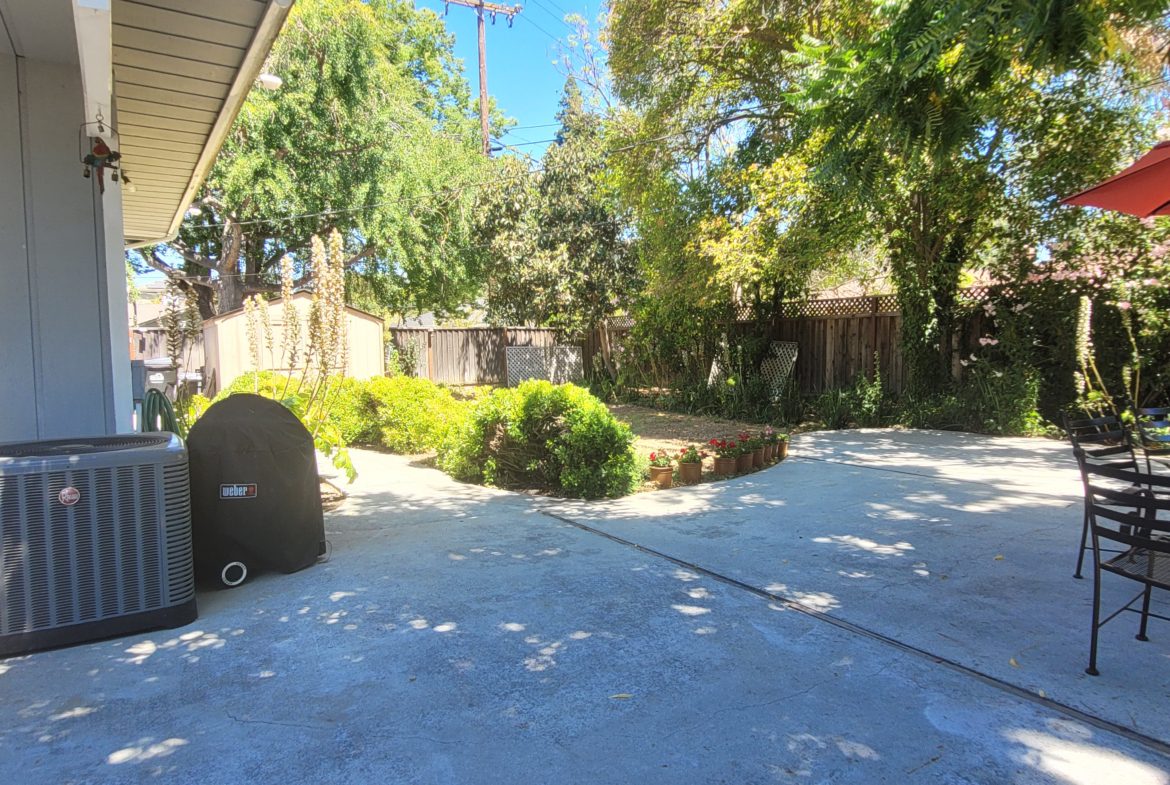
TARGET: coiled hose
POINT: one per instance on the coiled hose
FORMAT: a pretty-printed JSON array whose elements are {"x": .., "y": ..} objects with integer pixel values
[{"x": 157, "y": 413}]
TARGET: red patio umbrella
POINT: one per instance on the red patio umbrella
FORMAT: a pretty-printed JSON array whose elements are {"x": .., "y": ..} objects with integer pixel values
[{"x": 1142, "y": 190}]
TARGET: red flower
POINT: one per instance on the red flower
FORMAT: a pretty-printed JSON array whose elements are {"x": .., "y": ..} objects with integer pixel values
[{"x": 653, "y": 456}]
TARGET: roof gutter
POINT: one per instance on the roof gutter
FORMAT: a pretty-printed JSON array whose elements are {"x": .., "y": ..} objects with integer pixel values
[{"x": 262, "y": 40}]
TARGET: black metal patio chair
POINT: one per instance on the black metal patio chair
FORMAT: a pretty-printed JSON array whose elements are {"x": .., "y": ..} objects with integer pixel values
[
  {"x": 1137, "y": 522},
  {"x": 1152, "y": 426},
  {"x": 1102, "y": 441}
]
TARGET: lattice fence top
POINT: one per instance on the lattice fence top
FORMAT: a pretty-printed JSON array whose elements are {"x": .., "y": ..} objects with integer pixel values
[
  {"x": 557, "y": 364},
  {"x": 619, "y": 322},
  {"x": 845, "y": 306}
]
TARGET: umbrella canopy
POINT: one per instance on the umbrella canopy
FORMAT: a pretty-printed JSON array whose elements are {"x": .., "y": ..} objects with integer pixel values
[{"x": 1142, "y": 190}]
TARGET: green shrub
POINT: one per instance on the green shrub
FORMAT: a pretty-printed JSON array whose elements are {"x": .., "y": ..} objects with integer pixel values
[
  {"x": 267, "y": 383},
  {"x": 539, "y": 435},
  {"x": 351, "y": 411},
  {"x": 411, "y": 415}
]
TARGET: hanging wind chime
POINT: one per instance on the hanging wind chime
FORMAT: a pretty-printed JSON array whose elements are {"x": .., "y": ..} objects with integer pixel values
[{"x": 97, "y": 155}]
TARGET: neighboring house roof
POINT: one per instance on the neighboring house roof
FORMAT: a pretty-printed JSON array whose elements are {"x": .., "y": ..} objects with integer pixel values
[
  {"x": 181, "y": 73},
  {"x": 296, "y": 296}
]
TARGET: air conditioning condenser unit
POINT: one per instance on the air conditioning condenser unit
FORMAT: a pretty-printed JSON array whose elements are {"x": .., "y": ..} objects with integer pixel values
[{"x": 95, "y": 539}]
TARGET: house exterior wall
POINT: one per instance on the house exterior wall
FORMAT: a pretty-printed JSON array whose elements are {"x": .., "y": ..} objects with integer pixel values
[
  {"x": 228, "y": 353},
  {"x": 63, "y": 293}
]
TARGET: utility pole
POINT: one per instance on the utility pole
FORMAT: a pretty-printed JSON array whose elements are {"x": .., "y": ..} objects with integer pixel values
[{"x": 481, "y": 6}]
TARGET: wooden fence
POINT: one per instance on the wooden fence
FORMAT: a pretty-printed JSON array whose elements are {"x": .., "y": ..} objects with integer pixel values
[
  {"x": 839, "y": 341},
  {"x": 467, "y": 355}
]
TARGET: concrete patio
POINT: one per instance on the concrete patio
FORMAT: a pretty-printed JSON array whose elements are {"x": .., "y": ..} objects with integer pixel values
[{"x": 882, "y": 607}]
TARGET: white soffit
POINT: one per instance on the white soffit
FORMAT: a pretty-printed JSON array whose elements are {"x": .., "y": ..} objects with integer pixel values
[{"x": 182, "y": 69}]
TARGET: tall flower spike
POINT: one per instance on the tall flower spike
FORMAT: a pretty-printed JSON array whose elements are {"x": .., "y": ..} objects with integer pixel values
[{"x": 291, "y": 326}]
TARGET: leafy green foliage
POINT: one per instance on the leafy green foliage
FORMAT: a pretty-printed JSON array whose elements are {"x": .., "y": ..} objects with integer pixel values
[
  {"x": 409, "y": 415},
  {"x": 556, "y": 241},
  {"x": 543, "y": 436},
  {"x": 371, "y": 134}
]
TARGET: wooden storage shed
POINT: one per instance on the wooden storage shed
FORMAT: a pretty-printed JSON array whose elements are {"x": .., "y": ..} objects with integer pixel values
[{"x": 228, "y": 354}]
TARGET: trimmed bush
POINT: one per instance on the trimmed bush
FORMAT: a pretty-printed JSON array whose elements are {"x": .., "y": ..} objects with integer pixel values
[
  {"x": 410, "y": 415},
  {"x": 542, "y": 436},
  {"x": 351, "y": 410}
]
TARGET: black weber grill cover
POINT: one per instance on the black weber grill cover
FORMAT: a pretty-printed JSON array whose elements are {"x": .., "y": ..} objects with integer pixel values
[{"x": 255, "y": 496}]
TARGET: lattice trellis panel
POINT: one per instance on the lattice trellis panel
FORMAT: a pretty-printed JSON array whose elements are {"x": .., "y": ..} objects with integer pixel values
[
  {"x": 558, "y": 364},
  {"x": 777, "y": 367}
]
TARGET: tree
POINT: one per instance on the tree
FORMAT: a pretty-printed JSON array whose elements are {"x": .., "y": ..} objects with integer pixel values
[
  {"x": 934, "y": 132},
  {"x": 371, "y": 134},
  {"x": 557, "y": 243}
]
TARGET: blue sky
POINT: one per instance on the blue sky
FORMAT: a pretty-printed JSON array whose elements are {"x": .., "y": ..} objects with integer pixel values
[{"x": 521, "y": 76}]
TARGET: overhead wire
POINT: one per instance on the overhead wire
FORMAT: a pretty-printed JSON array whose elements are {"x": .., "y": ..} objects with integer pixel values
[
  {"x": 546, "y": 33},
  {"x": 559, "y": 19}
]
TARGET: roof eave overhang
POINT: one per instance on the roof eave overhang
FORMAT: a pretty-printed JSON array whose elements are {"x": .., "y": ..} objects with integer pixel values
[{"x": 267, "y": 30}]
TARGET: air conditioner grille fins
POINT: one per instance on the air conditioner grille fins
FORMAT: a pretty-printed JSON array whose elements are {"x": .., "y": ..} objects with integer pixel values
[{"x": 100, "y": 557}]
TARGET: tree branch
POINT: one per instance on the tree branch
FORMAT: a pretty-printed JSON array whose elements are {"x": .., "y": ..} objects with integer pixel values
[{"x": 155, "y": 262}]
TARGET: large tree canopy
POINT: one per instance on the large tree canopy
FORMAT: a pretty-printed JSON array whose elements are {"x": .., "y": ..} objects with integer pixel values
[
  {"x": 556, "y": 241},
  {"x": 936, "y": 133},
  {"x": 371, "y": 134}
]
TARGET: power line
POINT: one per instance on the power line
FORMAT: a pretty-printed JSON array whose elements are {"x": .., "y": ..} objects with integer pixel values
[
  {"x": 546, "y": 33},
  {"x": 560, "y": 20},
  {"x": 523, "y": 143},
  {"x": 555, "y": 5}
]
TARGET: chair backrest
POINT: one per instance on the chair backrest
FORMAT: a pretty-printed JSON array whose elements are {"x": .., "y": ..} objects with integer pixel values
[
  {"x": 1101, "y": 441},
  {"x": 1127, "y": 506},
  {"x": 1153, "y": 427}
]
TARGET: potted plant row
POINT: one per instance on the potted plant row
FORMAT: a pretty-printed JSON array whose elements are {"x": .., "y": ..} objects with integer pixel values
[{"x": 741, "y": 454}]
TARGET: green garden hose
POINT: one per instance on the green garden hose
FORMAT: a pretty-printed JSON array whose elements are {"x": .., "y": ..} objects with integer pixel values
[{"x": 157, "y": 413}]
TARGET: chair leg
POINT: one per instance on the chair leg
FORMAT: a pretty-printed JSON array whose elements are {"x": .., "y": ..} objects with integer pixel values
[
  {"x": 1141, "y": 636},
  {"x": 1084, "y": 540},
  {"x": 1092, "y": 669}
]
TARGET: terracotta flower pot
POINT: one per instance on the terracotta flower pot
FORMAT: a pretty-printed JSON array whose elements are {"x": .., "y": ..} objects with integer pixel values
[
  {"x": 758, "y": 457},
  {"x": 744, "y": 462},
  {"x": 781, "y": 450},
  {"x": 770, "y": 452},
  {"x": 724, "y": 467},
  {"x": 662, "y": 475},
  {"x": 690, "y": 473}
]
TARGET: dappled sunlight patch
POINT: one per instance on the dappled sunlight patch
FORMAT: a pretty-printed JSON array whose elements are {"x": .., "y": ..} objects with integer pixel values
[
  {"x": 447, "y": 626},
  {"x": 1077, "y": 762},
  {"x": 140, "y": 653},
  {"x": 691, "y": 610},
  {"x": 685, "y": 575},
  {"x": 337, "y": 596},
  {"x": 419, "y": 624},
  {"x": 698, "y": 593},
  {"x": 855, "y": 750},
  {"x": 146, "y": 749},
  {"x": 704, "y": 631},
  {"x": 544, "y": 659},
  {"x": 74, "y": 713},
  {"x": 853, "y": 542},
  {"x": 819, "y": 601},
  {"x": 580, "y": 635},
  {"x": 511, "y": 626}
]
